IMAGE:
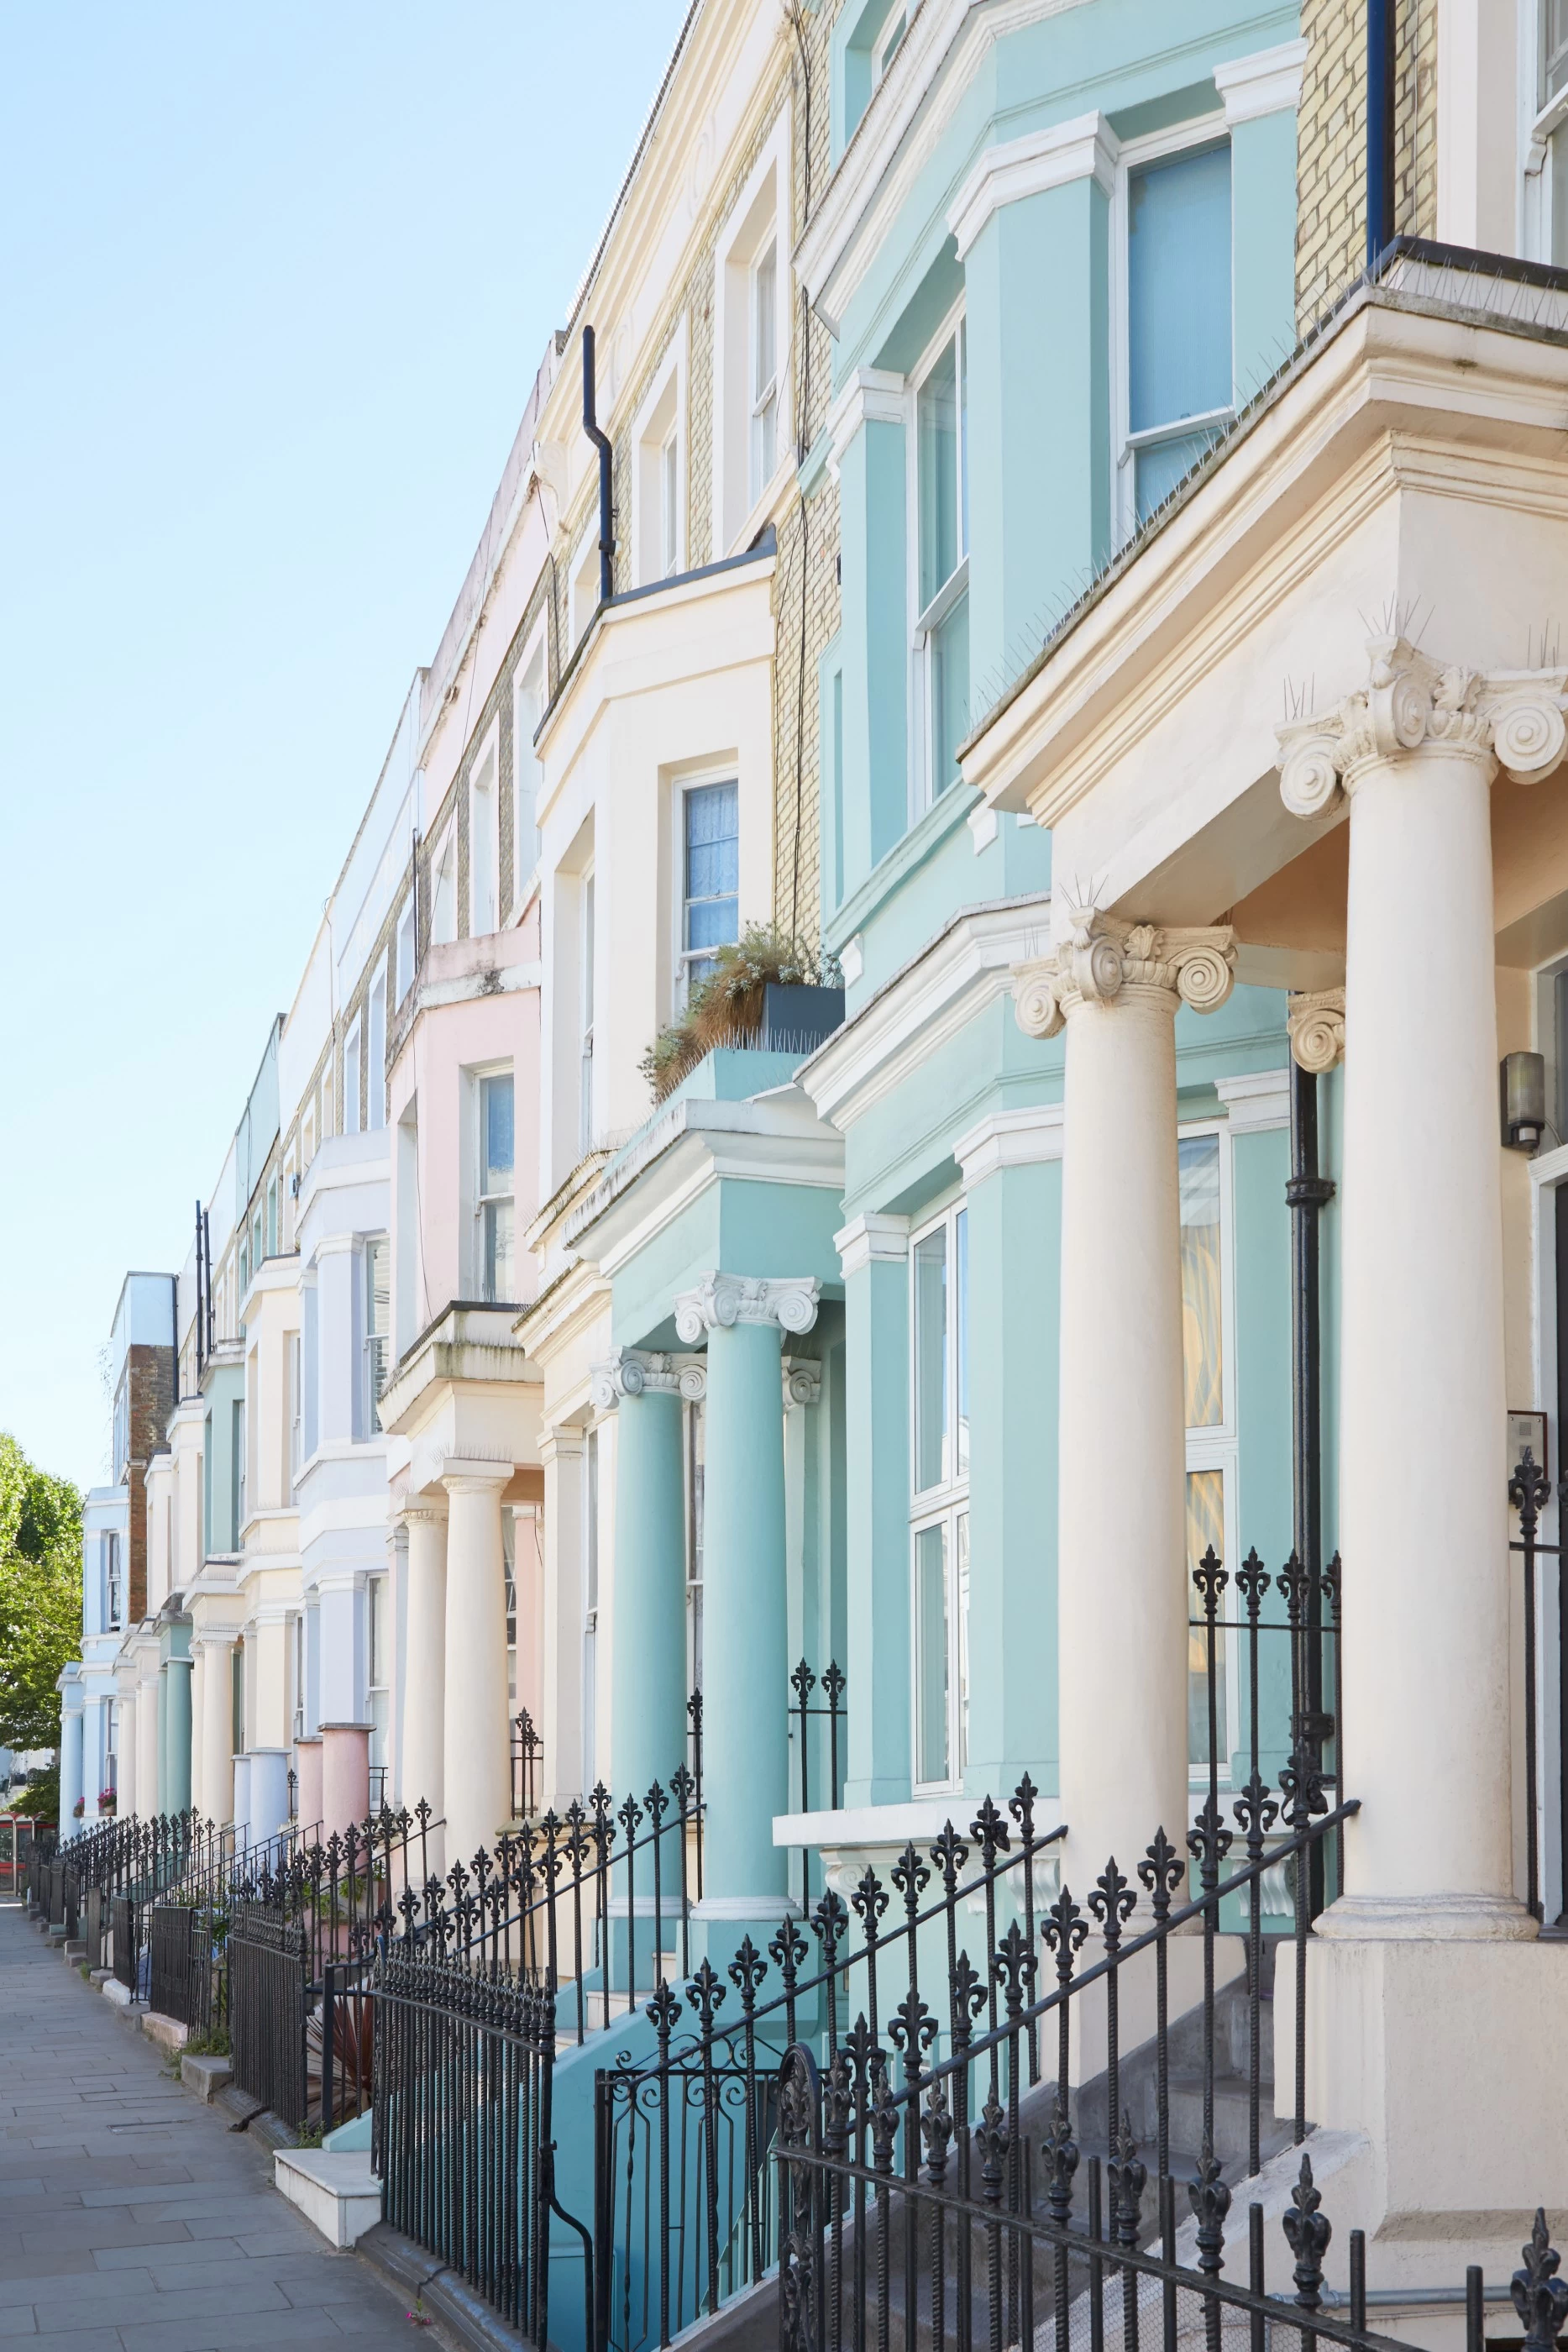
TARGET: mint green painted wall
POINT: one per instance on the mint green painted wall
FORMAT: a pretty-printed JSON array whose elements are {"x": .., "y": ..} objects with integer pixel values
[
  {"x": 1264, "y": 246},
  {"x": 176, "y": 1786},
  {"x": 1261, "y": 1165},
  {"x": 1037, "y": 303},
  {"x": 1014, "y": 1258},
  {"x": 876, "y": 647},
  {"x": 648, "y": 1669},
  {"x": 876, "y": 1317},
  {"x": 901, "y": 1148},
  {"x": 736, "y": 1226}
]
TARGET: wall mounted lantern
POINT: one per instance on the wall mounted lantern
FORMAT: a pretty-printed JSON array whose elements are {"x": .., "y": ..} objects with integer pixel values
[{"x": 1523, "y": 1090}]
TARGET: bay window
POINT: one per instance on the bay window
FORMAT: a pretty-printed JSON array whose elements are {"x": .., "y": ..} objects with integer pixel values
[
  {"x": 942, "y": 560},
  {"x": 494, "y": 1203},
  {"x": 939, "y": 1508},
  {"x": 1177, "y": 393},
  {"x": 1204, "y": 1179}
]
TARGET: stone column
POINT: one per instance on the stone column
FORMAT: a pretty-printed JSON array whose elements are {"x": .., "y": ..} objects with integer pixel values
[
  {"x": 745, "y": 1661},
  {"x": 424, "y": 1675},
  {"x": 308, "y": 1764},
  {"x": 1423, "y": 1473},
  {"x": 165, "y": 1779},
  {"x": 476, "y": 1749},
  {"x": 71, "y": 1764},
  {"x": 345, "y": 1753},
  {"x": 198, "y": 1717},
  {"x": 648, "y": 1690},
  {"x": 128, "y": 1793},
  {"x": 148, "y": 1796},
  {"x": 562, "y": 1453},
  {"x": 1122, "y": 1587},
  {"x": 268, "y": 1792},
  {"x": 217, "y": 1726}
]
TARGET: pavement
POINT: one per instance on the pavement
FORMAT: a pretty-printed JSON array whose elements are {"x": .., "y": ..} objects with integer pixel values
[{"x": 131, "y": 2218}]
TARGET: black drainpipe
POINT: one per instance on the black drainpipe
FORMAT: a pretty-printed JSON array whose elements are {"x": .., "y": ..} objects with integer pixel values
[
  {"x": 1379, "y": 128},
  {"x": 606, "y": 501},
  {"x": 1306, "y": 1193}
]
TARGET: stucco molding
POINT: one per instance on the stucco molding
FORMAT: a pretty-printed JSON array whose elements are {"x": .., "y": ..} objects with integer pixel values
[
  {"x": 1104, "y": 961},
  {"x": 1267, "y": 82},
  {"x": 871, "y": 396},
  {"x": 720, "y": 1301},
  {"x": 1254, "y": 1101},
  {"x": 1085, "y": 147},
  {"x": 1315, "y": 1019},
  {"x": 878, "y": 1238},
  {"x": 802, "y": 1383},
  {"x": 634, "y": 1371},
  {"x": 1513, "y": 719},
  {"x": 1011, "y": 1139}
]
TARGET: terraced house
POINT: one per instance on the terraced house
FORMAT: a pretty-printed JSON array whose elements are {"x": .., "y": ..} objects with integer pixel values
[{"x": 903, "y": 1405}]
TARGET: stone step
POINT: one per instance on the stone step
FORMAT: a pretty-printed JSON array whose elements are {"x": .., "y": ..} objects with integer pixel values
[{"x": 338, "y": 2194}]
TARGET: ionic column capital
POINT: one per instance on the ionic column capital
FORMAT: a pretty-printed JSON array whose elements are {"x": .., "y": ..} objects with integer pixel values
[
  {"x": 462, "y": 1476},
  {"x": 802, "y": 1383},
  {"x": 720, "y": 1301},
  {"x": 1513, "y": 719},
  {"x": 1315, "y": 1019},
  {"x": 1101, "y": 959},
  {"x": 633, "y": 1371},
  {"x": 424, "y": 1511}
]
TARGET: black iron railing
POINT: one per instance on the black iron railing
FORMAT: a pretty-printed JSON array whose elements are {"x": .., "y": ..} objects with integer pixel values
[
  {"x": 528, "y": 1756},
  {"x": 829, "y": 1713},
  {"x": 1529, "y": 1491}
]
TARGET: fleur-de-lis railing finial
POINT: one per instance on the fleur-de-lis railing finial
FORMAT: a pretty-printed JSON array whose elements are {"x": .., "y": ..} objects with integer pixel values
[
  {"x": 1307, "y": 2230},
  {"x": 1539, "y": 2296}
]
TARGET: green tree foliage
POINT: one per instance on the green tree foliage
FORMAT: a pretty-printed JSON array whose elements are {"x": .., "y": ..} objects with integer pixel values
[{"x": 40, "y": 1596}]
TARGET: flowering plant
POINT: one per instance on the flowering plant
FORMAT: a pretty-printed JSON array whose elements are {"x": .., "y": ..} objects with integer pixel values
[
  {"x": 80, "y": 1805},
  {"x": 106, "y": 1801}
]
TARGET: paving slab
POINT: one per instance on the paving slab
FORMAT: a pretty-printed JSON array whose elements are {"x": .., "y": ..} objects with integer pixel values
[{"x": 131, "y": 2220}]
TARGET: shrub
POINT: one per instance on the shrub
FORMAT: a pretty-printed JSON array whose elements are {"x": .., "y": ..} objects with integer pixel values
[{"x": 726, "y": 1008}]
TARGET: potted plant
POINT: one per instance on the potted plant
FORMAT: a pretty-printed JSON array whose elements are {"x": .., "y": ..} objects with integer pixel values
[
  {"x": 106, "y": 1801},
  {"x": 79, "y": 1808},
  {"x": 766, "y": 991}
]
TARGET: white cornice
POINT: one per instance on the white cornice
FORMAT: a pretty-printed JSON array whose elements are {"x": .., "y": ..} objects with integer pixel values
[
  {"x": 1267, "y": 82},
  {"x": 939, "y": 57},
  {"x": 1086, "y": 148},
  {"x": 1256, "y": 1099},
  {"x": 871, "y": 396},
  {"x": 878, "y": 1238},
  {"x": 1011, "y": 1138},
  {"x": 964, "y": 968}
]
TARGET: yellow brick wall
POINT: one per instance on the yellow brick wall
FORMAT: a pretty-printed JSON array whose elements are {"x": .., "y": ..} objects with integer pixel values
[{"x": 1331, "y": 228}]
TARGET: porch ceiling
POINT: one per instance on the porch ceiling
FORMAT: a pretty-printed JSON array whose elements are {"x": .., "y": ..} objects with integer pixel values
[{"x": 1414, "y": 464}]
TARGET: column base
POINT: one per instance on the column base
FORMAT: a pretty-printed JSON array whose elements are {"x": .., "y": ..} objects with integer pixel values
[
  {"x": 1434, "y": 2051},
  {"x": 1427, "y": 1919}
]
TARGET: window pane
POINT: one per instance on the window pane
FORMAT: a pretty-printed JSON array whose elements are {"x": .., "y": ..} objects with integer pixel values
[
  {"x": 931, "y": 1654},
  {"x": 495, "y": 1125},
  {"x": 765, "y": 287},
  {"x": 1178, "y": 289},
  {"x": 499, "y": 1250},
  {"x": 931, "y": 1360},
  {"x": 1554, "y": 15},
  {"x": 937, "y": 407},
  {"x": 961, "y": 1317},
  {"x": 1205, "y": 1531},
  {"x": 1201, "y": 1340},
  {"x": 378, "y": 1315},
  {"x": 712, "y": 866},
  {"x": 949, "y": 695}
]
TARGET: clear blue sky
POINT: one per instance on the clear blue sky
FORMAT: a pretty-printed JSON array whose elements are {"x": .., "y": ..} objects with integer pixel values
[{"x": 275, "y": 277}]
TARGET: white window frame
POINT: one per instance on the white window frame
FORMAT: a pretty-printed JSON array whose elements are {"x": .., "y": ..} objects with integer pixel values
[
  {"x": 684, "y": 958},
  {"x": 407, "y": 942},
  {"x": 353, "y": 1077},
  {"x": 113, "y": 1581},
  {"x": 482, "y": 1199},
  {"x": 368, "y": 1338},
  {"x": 761, "y": 216},
  {"x": 1539, "y": 116},
  {"x": 923, "y": 626},
  {"x": 527, "y": 767},
  {"x": 587, "y": 999},
  {"x": 660, "y": 421},
  {"x": 296, "y": 1345},
  {"x": 592, "y": 1566},
  {"x": 886, "y": 46},
  {"x": 444, "y": 876},
  {"x": 1134, "y": 156},
  {"x": 942, "y": 1505},
  {"x": 378, "y": 1686},
  {"x": 485, "y": 834},
  {"x": 1217, "y": 1447},
  {"x": 373, "y": 1068}
]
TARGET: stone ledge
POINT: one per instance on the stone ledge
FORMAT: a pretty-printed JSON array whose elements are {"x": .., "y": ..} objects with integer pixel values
[
  {"x": 119, "y": 1996},
  {"x": 167, "y": 2032},
  {"x": 338, "y": 2195},
  {"x": 206, "y": 2076}
]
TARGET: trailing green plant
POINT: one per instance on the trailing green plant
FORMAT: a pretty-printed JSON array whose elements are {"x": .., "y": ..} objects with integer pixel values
[
  {"x": 213, "y": 2043},
  {"x": 726, "y": 1008}
]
